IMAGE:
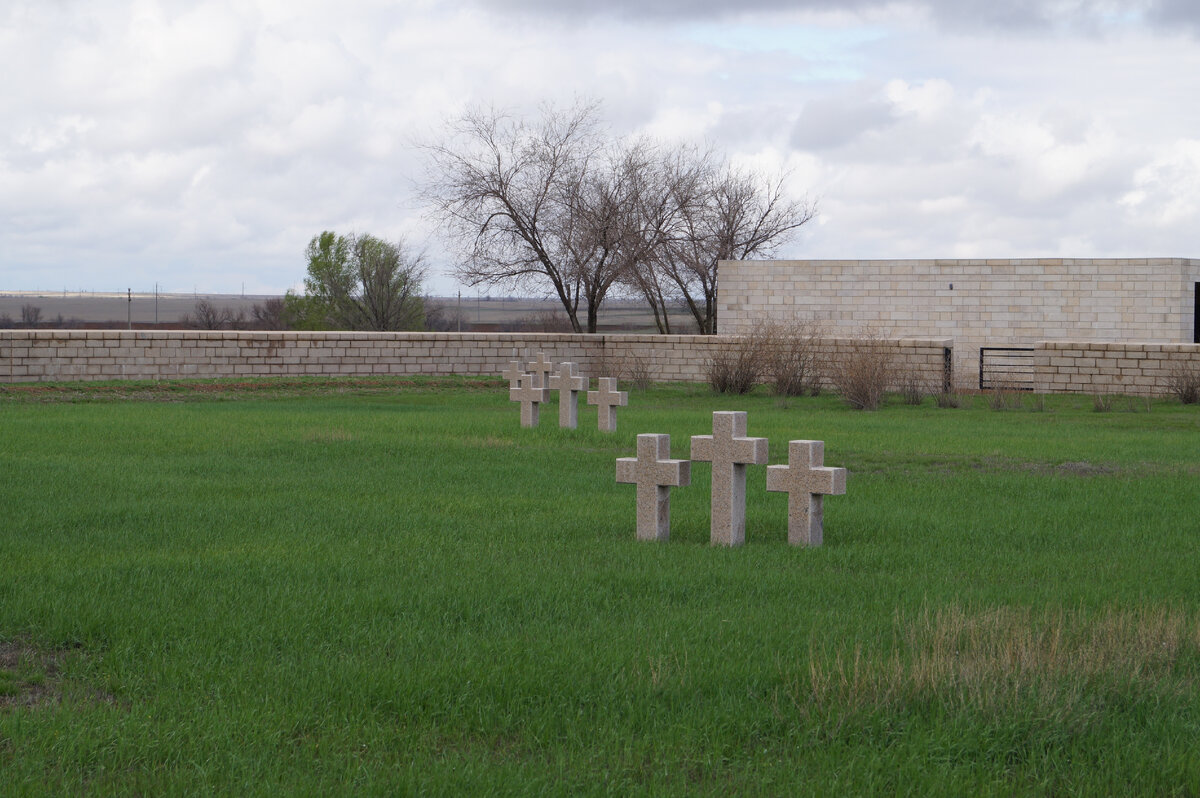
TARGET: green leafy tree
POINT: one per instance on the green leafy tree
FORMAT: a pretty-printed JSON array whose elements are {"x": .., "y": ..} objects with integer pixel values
[{"x": 359, "y": 282}]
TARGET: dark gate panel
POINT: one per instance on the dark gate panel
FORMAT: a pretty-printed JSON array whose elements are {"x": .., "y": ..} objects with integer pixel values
[{"x": 1009, "y": 367}]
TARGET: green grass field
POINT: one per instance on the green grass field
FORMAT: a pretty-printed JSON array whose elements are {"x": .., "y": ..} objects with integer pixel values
[{"x": 388, "y": 587}]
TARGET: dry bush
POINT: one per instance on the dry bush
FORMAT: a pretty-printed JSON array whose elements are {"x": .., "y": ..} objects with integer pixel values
[
  {"x": 1183, "y": 382},
  {"x": 791, "y": 357},
  {"x": 863, "y": 370},
  {"x": 913, "y": 389},
  {"x": 1101, "y": 403},
  {"x": 948, "y": 399},
  {"x": 628, "y": 367},
  {"x": 636, "y": 369},
  {"x": 738, "y": 365},
  {"x": 1005, "y": 396}
]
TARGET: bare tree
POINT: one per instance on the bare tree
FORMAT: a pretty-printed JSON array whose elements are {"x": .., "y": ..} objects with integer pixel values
[
  {"x": 528, "y": 205},
  {"x": 735, "y": 215},
  {"x": 270, "y": 314},
  {"x": 31, "y": 315},
  {"x": 207, "y": 316},
  {"x": 558, "y": 206}
]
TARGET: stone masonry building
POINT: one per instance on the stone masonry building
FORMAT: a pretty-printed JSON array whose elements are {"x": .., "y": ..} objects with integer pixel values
[{"x": 978, "y": 303}]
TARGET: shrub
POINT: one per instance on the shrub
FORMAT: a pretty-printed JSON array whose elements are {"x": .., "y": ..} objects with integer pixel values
[
  {"x": 862, "y": 371},
  {"x": 737, "y": 366},
  {"x": 1101, "y": 403},
  {"x": 791, "y": 359},
  {"x": 1183, "y": 382}
]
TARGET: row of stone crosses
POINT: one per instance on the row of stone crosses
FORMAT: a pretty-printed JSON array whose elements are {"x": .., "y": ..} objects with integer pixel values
[
  {"x": 532, "y": 388},
  {"x": 805, "y": 478}
]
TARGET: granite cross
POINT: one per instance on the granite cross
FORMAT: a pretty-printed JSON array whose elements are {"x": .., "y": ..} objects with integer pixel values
[
  {"x": 607, "y": 399},
  {"x": 511, "y": 373},
  {"x": 530, "y": 395},
  {"x": 541, "y": 368},
  {"x": 806, "y": 481},
  {"x": 568, "y": 384},
  {"x": 654, "y": 474},
  {"x": 730, "y": 452}
]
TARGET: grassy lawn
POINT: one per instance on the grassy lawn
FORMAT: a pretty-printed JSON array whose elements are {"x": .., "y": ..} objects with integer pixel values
[{"x": 387, "y": 586}]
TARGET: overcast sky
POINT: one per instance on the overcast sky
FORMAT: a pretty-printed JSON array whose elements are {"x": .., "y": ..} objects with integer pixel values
[{"x": 200, "y": 145}]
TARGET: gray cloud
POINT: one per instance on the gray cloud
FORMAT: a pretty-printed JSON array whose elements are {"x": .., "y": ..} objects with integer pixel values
[
  {"x": 835, "y": 121},
  {"x": 1016, "y": 15}
]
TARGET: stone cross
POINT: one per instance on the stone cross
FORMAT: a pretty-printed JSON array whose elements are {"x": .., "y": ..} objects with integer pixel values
[
  {"x": 607, "y": 399},
  {"x": 530, "y": 395},
  {"x": 541, "y": 368},
  {"x": 729, "y": 451},
  {"x": 568, "y": 384},
  {"x": 511, "y": 373},
  {"x": 654, "y": 474},
  {"x": 806, "y": 481}
]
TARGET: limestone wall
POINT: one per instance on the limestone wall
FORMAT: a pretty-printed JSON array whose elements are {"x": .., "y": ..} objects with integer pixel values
[
  {"x": 975, "y": 302},
  {"x": 1140, "y": 369},
  {"x": 67, "y": 355}
]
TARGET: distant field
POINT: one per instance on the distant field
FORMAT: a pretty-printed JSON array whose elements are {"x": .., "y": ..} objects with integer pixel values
[
  {"x": 484, "y": 313},
  {"x": 387, "y": 587}
]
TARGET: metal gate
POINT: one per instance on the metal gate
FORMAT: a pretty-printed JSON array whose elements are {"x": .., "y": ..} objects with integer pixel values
[{"x": 1007, "y": 367}]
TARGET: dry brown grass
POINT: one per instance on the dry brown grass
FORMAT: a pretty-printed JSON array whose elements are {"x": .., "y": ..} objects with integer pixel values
[{"x": 997, "y": 659}]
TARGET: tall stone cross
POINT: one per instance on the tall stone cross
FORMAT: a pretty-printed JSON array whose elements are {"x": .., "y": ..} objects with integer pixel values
[
  {"x": 530, "y": 394},
  {"x": 512, "y": 373},
  {"x": 806, "y": 481},
  {"x": 729, "y": 451},
  {"x": 568, "y": 384},
  {"x": 654, "y": 474},
  {"x": 541, "y": 368},
  {"x": 607, "y": 399}
]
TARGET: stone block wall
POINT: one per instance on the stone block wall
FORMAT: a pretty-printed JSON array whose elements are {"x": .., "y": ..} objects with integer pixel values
[
  {"x": 976, "y": 302},
  {"x": 1139, "y": 369},
  {"x": 68, "y": 355}
]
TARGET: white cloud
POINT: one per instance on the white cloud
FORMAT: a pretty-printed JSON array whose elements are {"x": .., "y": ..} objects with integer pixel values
[{"x": 1167, "y": 192}]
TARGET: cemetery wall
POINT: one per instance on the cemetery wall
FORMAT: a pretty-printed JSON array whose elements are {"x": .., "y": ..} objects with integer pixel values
[
  {"x": 69, "y": 355},
  {"x": 1140, "y": 369},
  {"x": 978, "y": 303}
]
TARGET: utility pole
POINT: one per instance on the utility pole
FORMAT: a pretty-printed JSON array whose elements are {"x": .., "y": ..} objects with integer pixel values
[
  {"x": 129, "y": 311},
  {"x": 459, "y": 312},
  {"x": 156, "y": 304}
]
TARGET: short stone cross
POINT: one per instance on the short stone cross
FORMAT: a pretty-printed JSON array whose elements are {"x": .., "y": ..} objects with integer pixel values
[
  {"x": 607, "y": 400},
  {"x": 542, "y": 368},
  {"x": 654, "y": 474},
  {"x": 568, "y": 384},
  {"x": 729, "y": 451},
  {"x": 530, "y": 395},
  {"x": 511, "y": 373},
  {"x": 806, "y": 481}
]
